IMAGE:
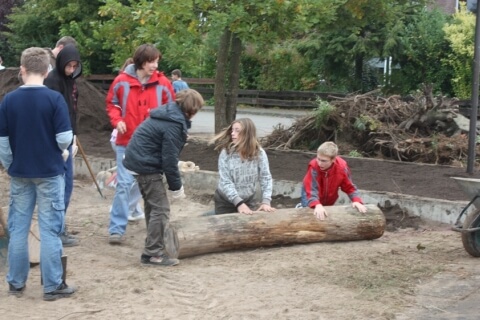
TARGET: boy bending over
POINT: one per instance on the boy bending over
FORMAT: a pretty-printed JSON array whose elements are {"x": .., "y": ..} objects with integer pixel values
[{"x": 325, "y": 175}]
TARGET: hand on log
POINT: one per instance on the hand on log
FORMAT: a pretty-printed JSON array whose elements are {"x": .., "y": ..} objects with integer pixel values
[{"x": 266, "y": 208}]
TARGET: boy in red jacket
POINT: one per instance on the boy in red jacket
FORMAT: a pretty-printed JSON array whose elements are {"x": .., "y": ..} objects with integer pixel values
[{"x": 325, "y": 175}]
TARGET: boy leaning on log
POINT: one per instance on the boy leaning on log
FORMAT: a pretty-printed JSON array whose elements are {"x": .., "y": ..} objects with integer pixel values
[
  {"x": 325, "y": 175},
  {"x": 35, "y": 133}
]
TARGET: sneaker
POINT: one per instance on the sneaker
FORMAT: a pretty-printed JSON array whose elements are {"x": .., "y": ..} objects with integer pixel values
[
  {"x": 116, "y": 238},
  {"x": 68, "y": 240},
  {"x": 14, "y": 291},
  {"x": 63, "y": 291},
  {"x": 162, "y": 260},
  {"x": 136, "y": 217}
]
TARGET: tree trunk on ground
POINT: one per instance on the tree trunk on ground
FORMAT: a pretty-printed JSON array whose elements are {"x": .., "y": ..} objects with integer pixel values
[
  {"x": 221, "y": 233},
  {"x": 233, "y": 78},
  {"x": 220, "y": 81}
]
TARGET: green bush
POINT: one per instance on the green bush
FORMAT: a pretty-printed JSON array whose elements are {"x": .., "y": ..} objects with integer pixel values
[{"x": 460, "y": 35}]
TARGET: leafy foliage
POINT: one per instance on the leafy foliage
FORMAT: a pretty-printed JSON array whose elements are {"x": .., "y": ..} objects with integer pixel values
[
  {"x": 322, "y": 113},
  {"x": 460, "y": 35},
  {"x": 423, "y": 46},
  {"x": 42, "y": 22},
  {"x": 6, "y": 7},
  {"x": 363, "y": 29},
  {"x": 284, "y": 68}
]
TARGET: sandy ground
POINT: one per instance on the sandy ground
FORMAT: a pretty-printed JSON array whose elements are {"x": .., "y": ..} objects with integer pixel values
[{"x": 386, "y": 278}]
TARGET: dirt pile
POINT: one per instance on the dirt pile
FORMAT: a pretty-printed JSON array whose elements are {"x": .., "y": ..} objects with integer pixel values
[{"x": 423, "y": 128}]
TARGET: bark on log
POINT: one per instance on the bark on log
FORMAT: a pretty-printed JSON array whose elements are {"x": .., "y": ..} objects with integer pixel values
[{"x": 201, "y": 235}]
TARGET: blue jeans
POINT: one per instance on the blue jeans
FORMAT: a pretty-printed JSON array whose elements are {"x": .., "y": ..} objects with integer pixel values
[
  {"x": 134, "y": 206},
  {"x": 121, "y": 199},
  {"x": 48, "y": 194}
]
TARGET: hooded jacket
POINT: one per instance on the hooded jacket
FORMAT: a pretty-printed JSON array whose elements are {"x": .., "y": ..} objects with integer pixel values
[
  {"x": 130, "y": 101},
  {"x": 59, "y": 81},
  {"x": 321, "y": 186},
  {"x": 156, "y": 144}
]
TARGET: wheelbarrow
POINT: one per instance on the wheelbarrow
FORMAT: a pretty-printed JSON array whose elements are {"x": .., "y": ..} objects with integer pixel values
[{"x": 470, "y": 227}]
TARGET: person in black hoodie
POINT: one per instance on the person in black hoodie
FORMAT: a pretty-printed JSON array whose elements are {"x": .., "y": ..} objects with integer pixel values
[{"x": 68, "y": 67}]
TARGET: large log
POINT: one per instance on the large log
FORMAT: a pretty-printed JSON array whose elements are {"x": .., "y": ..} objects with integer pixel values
[{"x": 208, "y": 234}]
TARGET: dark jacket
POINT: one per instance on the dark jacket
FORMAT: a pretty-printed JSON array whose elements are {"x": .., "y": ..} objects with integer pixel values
[
  {"x": 58, "y": 81},
  {"x": 156, "y": 144}
]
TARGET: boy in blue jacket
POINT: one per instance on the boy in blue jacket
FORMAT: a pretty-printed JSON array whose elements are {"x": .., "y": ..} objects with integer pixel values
[{"x": 34, "y": 135}]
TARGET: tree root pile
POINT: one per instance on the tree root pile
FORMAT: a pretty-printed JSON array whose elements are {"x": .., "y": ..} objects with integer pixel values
[{"x": 422, "y": 128}]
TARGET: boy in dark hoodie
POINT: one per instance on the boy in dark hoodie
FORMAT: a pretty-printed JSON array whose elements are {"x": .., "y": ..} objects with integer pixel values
[{"x": 62, "y": 79}]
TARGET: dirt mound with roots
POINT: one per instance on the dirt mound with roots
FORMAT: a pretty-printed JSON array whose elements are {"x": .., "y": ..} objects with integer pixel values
[{"x": 422, "y": 128}]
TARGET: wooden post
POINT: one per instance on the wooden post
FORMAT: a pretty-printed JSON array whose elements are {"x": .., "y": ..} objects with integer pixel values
[{"x": 219, "y": 233}]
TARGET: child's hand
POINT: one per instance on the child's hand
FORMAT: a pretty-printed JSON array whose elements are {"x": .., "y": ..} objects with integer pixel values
[
  {"x": 178, "y": 194},
  {"x": 320, "y": 212},
  {"x": 74, "y": 146},
  {"x": 243, "y": 208},
  {"x": 360, "y": 207},
  {"x": 65, "y": 155},
  {"x": 266, "y": 208},
  {"x": 121, "y": 127}
]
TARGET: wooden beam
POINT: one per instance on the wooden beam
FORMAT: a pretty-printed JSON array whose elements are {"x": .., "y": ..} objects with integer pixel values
[{"x": 219, "y": 233}]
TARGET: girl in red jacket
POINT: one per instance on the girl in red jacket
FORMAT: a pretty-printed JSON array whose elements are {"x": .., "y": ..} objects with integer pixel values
[{"x": 325, "y": 175}]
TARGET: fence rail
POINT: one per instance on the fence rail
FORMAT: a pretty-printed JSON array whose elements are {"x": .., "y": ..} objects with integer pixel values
[{"x": 260, "y": 98}]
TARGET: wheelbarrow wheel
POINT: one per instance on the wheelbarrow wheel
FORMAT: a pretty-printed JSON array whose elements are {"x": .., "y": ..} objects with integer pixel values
[{"x": 471, "y": 240}]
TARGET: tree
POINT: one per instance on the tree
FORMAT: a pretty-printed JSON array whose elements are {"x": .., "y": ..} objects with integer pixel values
[
  {"x": 423, "y": 46},
  {"x": 42, "y": 22},
  {"x": 263, "y": 23},
  {"x": 125, "y": 26},
  {"x": 460, "y": 34},
  {"x": 6, "y": 7},
  {"x": 363, "y": 29},
  {"x": 235, "y": 23}
]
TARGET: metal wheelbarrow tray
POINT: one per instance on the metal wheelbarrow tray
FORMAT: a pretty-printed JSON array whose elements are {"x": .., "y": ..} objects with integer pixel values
[{"x": 470, "y": 228}]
